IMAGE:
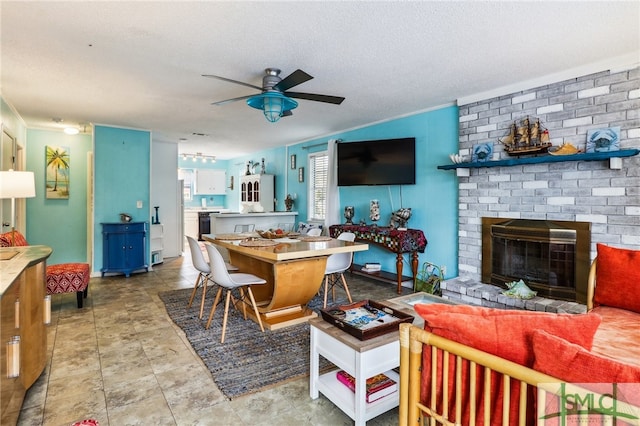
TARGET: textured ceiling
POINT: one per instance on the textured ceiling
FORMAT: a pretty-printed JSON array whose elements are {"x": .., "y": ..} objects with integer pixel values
[{"x": 139, "y": 64}]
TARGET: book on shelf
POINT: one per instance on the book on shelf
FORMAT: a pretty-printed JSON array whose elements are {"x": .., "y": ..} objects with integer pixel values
[
  {"x": 378, "y": 386},
  {"x": 371, "y": 267}
]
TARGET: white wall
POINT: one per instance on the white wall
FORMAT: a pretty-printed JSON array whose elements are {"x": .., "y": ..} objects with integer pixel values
[{"x": 164, "y": 193}]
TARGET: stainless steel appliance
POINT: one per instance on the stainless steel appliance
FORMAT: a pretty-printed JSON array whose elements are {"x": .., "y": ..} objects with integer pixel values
[{"x": 204, "y": 224}]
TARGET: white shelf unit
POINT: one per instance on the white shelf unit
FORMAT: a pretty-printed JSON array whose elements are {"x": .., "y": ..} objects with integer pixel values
[
  {"x": 258, "y": 190},
  {"x": 157, "y": 243},
  {"x": 361, "y": 359}
]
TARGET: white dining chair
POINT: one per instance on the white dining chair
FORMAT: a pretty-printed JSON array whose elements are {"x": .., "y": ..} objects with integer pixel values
[
  {"x": 334, "y": 272},
  {"x": 203, "y": 268},
  {"x": 227, "y": 283},
  {"x": 244, "y": 228},
  {"x": 287, "y": 227},
  {"x": 314, "y": 232}
]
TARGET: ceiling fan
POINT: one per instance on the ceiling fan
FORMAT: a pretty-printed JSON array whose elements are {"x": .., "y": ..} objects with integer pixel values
[{"x": 274, "y": 99}]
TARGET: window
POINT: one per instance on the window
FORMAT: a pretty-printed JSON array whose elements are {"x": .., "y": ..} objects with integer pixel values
[{"x": 318, "y": 173}]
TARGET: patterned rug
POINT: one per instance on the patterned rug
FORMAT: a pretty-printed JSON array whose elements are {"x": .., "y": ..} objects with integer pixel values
[{"x": 248, "y": 361}]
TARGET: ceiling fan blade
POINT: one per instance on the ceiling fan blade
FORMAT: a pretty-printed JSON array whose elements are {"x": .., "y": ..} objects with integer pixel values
[
  {"x": 314, "y": 97},
  {"x": 293, "y": 79},
  {"x": 226, "y": 101},
  {"x": 232, "y": 81}
]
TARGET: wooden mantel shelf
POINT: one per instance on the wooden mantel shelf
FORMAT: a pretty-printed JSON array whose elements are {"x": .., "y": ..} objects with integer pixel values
[{"x": 592, "y": 156}]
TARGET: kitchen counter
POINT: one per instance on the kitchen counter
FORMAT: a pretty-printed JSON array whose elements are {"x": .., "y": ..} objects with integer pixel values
[
  {"x": 253, "y": 214},
  {"x": 222, "y": 223}
]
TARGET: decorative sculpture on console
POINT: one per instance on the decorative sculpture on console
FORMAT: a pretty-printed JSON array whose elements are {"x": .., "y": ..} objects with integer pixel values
[
  {"x": 374, "y": 211},
  {"x": 349, "y": 211},
  {"x": 400, "y": 217}
]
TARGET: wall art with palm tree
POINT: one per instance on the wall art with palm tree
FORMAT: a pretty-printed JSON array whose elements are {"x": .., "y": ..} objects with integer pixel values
[{"x": 57, "y": 172}]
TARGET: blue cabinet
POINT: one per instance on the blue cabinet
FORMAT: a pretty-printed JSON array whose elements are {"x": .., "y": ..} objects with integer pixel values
[{"x": 124, "y": 247}]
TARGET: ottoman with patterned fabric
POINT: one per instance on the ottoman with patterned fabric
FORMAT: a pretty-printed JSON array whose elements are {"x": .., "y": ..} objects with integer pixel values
[{"x": 68, "y": 278}]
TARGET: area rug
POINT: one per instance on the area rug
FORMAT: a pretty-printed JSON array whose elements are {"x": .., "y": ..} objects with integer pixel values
[{"x": 248, "y": 361}]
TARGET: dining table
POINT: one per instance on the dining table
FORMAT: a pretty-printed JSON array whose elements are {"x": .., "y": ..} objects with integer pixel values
[{"x": 293, "y": 267}]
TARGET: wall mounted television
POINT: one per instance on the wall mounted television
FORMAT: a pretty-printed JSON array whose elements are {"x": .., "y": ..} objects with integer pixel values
[{"x": 377, "y": 162}]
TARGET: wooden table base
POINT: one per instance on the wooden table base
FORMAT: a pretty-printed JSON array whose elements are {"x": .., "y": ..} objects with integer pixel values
[{"x": 291, "y": 284}]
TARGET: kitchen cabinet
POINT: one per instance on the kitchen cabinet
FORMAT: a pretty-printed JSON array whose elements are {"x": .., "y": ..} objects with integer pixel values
[
  {"x": 257, "y": 191},
  {"x": 225, "y": 223},
  {"x": 210, "y": 182},
  {"x": 124, "y": 247},
  {"x": 191, "y": 224}
]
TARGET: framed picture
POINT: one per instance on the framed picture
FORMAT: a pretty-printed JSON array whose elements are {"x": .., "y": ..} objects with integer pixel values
[
  {"x": 293, "y": 161},
  {"x": 603, "y": 140},
  {"x": 482, "y": 153},
  {"x": 301, "y": 174},
  {"x": 57, "y": 169}
]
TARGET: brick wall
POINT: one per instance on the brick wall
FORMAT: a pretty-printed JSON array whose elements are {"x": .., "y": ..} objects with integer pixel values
[{"x": 586, "y": 191}]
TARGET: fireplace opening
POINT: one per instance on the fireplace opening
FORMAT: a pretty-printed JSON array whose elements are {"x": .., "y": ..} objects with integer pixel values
[{"x": 551, "y": 257}]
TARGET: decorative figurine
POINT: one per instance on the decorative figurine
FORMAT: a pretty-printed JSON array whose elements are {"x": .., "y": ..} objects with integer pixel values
[
  {"x": 526, "y": 138},
  {"x": 348, "y": 214},
  {"x": 262, "y": 169},
  {"x": 288, "y": 202},
  {"x": 400, "y": 217},
  {"x": 374, "y": 211}
]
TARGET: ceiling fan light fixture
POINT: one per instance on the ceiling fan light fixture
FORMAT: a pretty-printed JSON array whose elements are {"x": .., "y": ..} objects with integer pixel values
[{"x": 273, "y": 104}]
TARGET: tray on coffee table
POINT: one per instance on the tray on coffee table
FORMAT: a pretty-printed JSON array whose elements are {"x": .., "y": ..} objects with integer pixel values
[{"x": 365, "y": 319}]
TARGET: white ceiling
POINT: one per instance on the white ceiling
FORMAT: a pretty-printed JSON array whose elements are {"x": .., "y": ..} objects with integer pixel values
[{"x": 139, "y": 64}]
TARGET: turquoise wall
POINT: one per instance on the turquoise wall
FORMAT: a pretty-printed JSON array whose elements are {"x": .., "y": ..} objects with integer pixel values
[
  {"x": 433, "y": 199},
  {"x": 121, "y": 177},
  {"x": 59, "y": 224}
]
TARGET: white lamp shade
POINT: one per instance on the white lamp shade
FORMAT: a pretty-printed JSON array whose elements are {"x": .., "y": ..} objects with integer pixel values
[{"x": 15, "y": 184}]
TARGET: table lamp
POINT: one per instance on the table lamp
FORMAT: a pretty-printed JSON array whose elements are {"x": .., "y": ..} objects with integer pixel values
[{"x": 14, "y": 184}]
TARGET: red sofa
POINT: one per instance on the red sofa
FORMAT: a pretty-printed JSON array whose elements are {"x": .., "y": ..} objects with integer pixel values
[{"x": 473, "y": 365}]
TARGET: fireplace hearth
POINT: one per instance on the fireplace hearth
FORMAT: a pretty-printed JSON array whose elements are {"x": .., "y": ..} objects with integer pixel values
[{"x": 551, "y": 257}]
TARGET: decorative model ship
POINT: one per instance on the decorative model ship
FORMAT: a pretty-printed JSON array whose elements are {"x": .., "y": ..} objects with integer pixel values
[{"x": 526, "y": 139}]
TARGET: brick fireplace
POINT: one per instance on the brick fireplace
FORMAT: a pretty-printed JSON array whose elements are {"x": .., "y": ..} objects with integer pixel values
[
  {"x": 608, "y": 198},
  {"x": 552, "y": 257}
]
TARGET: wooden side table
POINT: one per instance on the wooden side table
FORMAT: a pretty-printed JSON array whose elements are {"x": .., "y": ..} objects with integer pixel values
[{"x": 361, "y": 359}]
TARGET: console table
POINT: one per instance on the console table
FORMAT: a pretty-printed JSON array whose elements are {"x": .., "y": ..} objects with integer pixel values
[{"x": 394, "y": 240}]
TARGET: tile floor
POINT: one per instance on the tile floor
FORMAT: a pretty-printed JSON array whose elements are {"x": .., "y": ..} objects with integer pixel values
[{"x": 122, "y": 361}]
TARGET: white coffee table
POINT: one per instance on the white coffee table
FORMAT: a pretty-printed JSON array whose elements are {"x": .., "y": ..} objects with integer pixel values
[{"x": 361, "y": 359}]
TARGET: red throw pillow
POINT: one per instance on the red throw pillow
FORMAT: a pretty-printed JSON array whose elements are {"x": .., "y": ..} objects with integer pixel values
[
  {"x": 618, "y": 278},
  {"x": 571, "y": 363},
  {"x": 505, "y": 333},
  {"x": 6, "y": 239}
]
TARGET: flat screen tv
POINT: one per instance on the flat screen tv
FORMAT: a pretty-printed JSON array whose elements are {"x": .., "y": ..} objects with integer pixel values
[{"x": 377, "y": 162}]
